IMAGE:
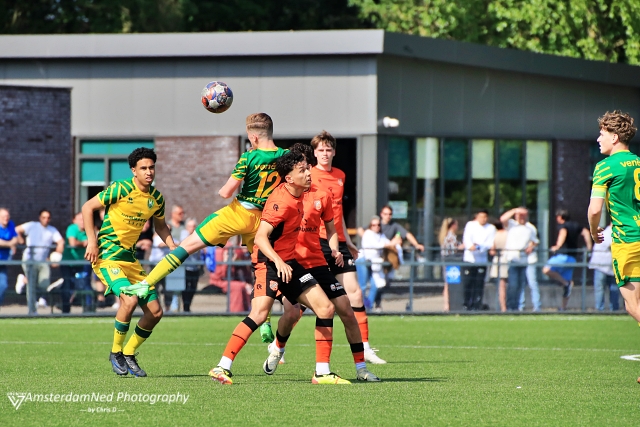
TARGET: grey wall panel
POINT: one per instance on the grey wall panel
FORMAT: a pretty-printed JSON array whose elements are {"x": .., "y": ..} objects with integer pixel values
[
  {"x": 479, "y": 102},
  {"x": 129, "y": 98}
]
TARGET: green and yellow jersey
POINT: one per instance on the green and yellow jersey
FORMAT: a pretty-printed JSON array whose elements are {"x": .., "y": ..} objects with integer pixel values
[
  {"x": 257, "y": 168},
  {"x": 617, "y": 180},
  {"x": 127, "y": 210}
]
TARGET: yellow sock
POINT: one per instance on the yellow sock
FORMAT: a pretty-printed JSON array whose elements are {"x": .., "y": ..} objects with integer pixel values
[
  {"x": 136, "y": 340},
  {"x": 119, "y": 334},
  {"x": 167, "y": 265}
]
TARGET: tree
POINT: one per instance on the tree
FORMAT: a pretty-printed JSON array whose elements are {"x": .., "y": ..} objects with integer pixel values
[{"x": 591, "y": 29}]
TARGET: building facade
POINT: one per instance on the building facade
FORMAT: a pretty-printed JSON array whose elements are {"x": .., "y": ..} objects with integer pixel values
[{"x": 478, "y": 127}]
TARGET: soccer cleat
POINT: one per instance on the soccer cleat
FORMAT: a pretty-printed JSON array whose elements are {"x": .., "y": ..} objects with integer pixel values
[
  {"x": 223, "y": 376},
  {"x": 118, "y": 363},
  {"x": 365, "y": 375},
  {"x": 271, "y": 347},
  {"x": 133, "y": 367},
  {"x": 271, "y": 364},
  {"x": 21, "y": 282},
  {"x": 266, "y": 333},
  {"x": 329, "y": 378},
  {"x": 370, "y": 356},
  {"x": 140, "y": 290},
  {"x": 55, "y": 285}
]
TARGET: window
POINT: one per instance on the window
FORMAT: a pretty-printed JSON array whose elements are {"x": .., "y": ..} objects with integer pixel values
[{"x": 99, "y": 163}]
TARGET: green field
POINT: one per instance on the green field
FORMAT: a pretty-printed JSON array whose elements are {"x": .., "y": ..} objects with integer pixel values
[{"x": 442, "y": 370}]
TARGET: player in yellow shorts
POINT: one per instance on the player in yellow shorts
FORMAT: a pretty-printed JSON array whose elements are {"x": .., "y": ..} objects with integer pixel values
[
  {"x": 616, "y": 182},
  {"x": 256, "y": 172},
  {"x": 129, "y": 205}
]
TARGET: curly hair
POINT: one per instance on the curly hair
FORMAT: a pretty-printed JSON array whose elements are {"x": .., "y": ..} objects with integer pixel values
[
  {"x": 306, "y": 150},
  {"x": 139, "y": 154},
  {"x": 323, "y": 137},
  {"x": 288, "y": 162},
  {"x": 618, "y": 123}
]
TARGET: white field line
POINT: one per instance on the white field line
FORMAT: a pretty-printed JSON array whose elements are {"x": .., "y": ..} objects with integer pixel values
[{"x": 415, "y": 347}]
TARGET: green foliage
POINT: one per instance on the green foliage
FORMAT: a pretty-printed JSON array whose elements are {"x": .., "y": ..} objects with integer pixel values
[{"x": 606, "y": 30}]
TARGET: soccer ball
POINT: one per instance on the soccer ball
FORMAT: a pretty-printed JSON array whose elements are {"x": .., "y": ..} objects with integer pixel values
[{"x": 217, "y": 97}]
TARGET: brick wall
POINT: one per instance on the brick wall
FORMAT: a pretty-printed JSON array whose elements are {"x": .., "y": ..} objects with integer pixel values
[
  {"x": 191, "y": 170},
  {"x": 36, "y": 153},
  {"x": 571, "y": 187}
]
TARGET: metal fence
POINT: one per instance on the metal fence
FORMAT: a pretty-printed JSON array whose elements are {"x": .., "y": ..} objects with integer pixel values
[{"x": 416, "y": 286}]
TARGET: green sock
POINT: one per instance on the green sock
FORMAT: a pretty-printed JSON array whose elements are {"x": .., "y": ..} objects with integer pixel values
[{"x": 167, "y": 265}]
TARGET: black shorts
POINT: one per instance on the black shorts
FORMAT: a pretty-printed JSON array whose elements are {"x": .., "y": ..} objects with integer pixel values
[
  {"x": 301, "y": 280},
  {"x": 327, "y": 281},
  {"x": 349, "y": 264}
]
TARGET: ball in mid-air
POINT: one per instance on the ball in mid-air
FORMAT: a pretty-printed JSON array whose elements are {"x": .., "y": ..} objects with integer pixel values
[{"x": 217, "y": 97}]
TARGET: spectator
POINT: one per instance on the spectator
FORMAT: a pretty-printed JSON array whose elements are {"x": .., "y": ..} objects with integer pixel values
[
  {"x": 176, "y": 223},
  {"x": 39, "y": 238},
  {"x": 370, "y": 271},
  {"x": 193, "y": 268},
  {"x": 76, "y": 277},
  {"x": 239, "y": 298},
  {"x": 521, "y": 243},
  {"x": 499, "y": 265},
  {"x": 8, "y": 241},
  {"x": 603, "y": 276},
  {"x": 392, "y": 229},
  {"x": 477, "y": 239},
  {"x": 159, "y": 250},
  {"x": 566, "y": 249},
  {"x": 449, "y": 247}
]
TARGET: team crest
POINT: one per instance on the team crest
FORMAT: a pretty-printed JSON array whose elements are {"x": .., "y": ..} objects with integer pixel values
[
  {"x": 340, "y": 183},
  {"x": 115, "y": 271},
  {"x": 130, "y": 200},
  {"x": 150, "y": 202},
  {"x": 273, "y": 285},
  {"x": 317, "y": 205}
]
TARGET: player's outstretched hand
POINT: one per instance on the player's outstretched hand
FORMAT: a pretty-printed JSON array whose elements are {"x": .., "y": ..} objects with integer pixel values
[
  {"x": 284, "y": 270},
  {"x": 91, "y": 254},
  {"x": 598, "y": 236},
  {"x": 337, "y": 256}
]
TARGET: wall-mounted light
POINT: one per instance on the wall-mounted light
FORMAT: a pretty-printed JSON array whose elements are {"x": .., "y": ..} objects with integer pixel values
[{"x": 390, "y": 122}]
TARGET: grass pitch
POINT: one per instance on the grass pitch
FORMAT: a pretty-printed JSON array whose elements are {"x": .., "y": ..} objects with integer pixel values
[{"x": 442, "y": 370}]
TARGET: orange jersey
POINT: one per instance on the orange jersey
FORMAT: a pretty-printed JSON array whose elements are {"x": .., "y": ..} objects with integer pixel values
[
  {"x": 284, "y": 212},
  {"x": 332, "y": 183},
  {"x": 318, "y": 209}
]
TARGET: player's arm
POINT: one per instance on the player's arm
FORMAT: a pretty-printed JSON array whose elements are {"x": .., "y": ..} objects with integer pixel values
[
  {"x": 352, "y": 248},
  {"x": 334, "y": 243},
  {"x": 230, "y": 188},
  {"x": 593, "y": 214},
  {"x": 90, "y": 206},
  {"x": 262, "y": 241},
  {"x": 163, "y": 231}
]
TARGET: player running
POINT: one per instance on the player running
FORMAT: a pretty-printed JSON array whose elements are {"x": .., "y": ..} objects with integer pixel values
[
  {"x": 616, "y": 180},
  {"x": 277, "y": 269},
  {"x": 331, "y": 180},
  {"x": 129, "y": 204},
  {"x": 242, "y": 216},
  {"x": 308, "y": 253}
]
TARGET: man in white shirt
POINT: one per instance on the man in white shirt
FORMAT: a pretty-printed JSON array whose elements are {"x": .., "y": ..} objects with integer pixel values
[
  {"x": 603, "y": 277},
  {"x": 532, "y": 276},
  {"x": 521, "y": 242},
  {"x": 477, "y": 240},
  {"x": 39, "y": 238}
]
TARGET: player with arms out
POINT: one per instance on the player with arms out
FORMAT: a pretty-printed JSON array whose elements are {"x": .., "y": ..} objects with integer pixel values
[
  {"x": 327, "y": 178},
  {"x": 256, "y": 168},
  {"x": 616, "y": 182},
  {"x": 276, "y": 269},
  {"x": 318, "y": 209},
  {"x": 128, "y": 205}
]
